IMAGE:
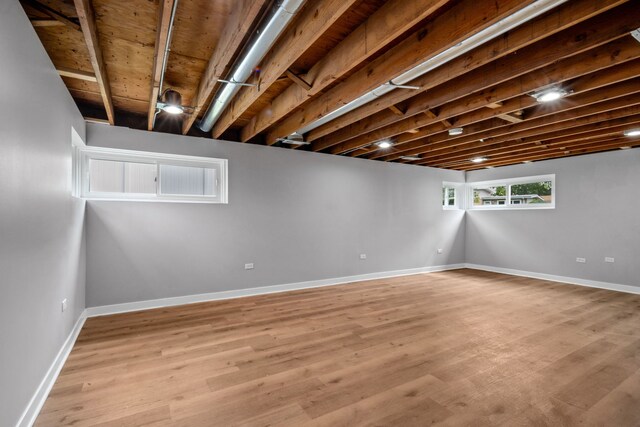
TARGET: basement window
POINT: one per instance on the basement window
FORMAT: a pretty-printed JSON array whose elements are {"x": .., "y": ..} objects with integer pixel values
[
  {"x": 110, "y": 174},
  {"x": 535, "y": 192},
  {"x": 451, "y": 195}
]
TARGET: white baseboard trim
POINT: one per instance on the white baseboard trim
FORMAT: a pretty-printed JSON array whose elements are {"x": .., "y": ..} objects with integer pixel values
[
  {"x": 222, "y": 295},
  {"x": 560, "y": 279},
  {"x": 42, "y": 392}
]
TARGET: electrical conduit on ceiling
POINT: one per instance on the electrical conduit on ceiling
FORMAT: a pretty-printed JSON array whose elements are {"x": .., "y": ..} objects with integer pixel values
[
  {"x": 282, "y": 14},
  {"x": 512, "y": 21}
]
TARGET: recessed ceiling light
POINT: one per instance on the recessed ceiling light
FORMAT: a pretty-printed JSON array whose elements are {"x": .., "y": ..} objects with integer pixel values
[
  {"x": 411, "y": 158},
  {"x": 384, "y": 144},
  {"x": 478, "y": 159},
  {"x": 632, "y": 132},
  {"x": 549, "y": 95},
  {"x": 455, "y": 131}
]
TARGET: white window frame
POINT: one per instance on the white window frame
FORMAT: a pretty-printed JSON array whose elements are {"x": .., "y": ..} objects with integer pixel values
[
  {"x": 508, "y": 183},
  {"x": 100, "y": 153},
  {"x": 459, "y": 195}
]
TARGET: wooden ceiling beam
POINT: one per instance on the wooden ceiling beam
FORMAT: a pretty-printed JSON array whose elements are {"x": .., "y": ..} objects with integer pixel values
[
  {"x": 76, "y": 74},
  {"x": 570, "y": 42},
  {"x": 162, "y": 32},
  {"x": 241, "y": 19},
  {"x": 612, "y": 144},
  {"x": 86, "y": 16},
  {"x": 393, "y": 19},
  {"x": 604, "y": 129},
  {"x": 543, "y": 128},
  {"x": 453, "y": 26},
  {"x": 533, "y": 32},
  {"x": 527, "y": 150},
  {"x": 298, "y": 80},
  {"x": 46, "y": 10},
  {"x": 312, "y": 21},
  {"x": 596, "y": 67},
  {"x": 36, "y": 22},
  {"x": 490, "y": 132}
]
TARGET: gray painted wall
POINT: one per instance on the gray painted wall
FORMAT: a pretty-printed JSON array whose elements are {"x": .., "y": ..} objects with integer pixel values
[
  {"x": 41, "y": 225},
  {"x": 296, "y": 215},
  {"x": 596, "y": 216}
]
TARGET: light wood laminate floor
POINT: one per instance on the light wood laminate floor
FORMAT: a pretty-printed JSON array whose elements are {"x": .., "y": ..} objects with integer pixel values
[{"x": 454, "y": 348}]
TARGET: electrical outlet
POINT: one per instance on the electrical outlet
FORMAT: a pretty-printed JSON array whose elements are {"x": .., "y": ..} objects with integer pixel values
[
  {"x": 363, "y": 256},
  {"x": 248, "y": 266},
  {"x": 581, "y": 260},
  {"x": 64, "y": 305},
  {"x": 439, "y": 250},
  {"x": 609, "y": 259}
]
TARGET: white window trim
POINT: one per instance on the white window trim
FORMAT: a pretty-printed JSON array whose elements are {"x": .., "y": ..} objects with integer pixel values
[
  {"x": 507, "y": 183},
  {"x": 459, "y": 187},
  {"x": 101, "y": 153}
]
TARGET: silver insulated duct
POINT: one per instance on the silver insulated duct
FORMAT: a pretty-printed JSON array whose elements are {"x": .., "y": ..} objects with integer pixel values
[{"x": 282, "y": 14}]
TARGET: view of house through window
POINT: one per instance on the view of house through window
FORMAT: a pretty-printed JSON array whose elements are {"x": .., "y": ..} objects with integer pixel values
[{"x": 527, "y": 192}]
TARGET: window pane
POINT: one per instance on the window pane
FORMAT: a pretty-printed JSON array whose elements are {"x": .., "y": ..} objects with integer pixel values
[
  {"x": 140, "y": 178},
  {"x": 106, "y": 176},
  {"x": 187, "y": 180},
  {"x": 111, "y": 176},
  {"x": 488, "y": 196},
  {"x": 531, "y": 193}
]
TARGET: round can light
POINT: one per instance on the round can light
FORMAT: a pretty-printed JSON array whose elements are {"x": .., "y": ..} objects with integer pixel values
[
  {"x": 172, "y": 109},
  {"x": 549, "y": 95},
  {"x": 384, "y": 144},
  {"x": 478, "y": 159},
  {"x": 632, "y": 132}
]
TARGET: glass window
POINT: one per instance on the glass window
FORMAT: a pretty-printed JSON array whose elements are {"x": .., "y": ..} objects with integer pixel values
[
  {"x": 128, "y": 175},
  {"x": 538, "y": 192},
  {"x": 489, "y": 195},
  {"x": 515, "y": 193}
]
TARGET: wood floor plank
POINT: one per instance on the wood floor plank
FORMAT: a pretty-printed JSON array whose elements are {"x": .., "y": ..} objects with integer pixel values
[{"x": 462, "y": 347}]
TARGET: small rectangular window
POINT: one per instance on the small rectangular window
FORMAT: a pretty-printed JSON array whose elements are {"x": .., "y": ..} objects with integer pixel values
[
  {"x": 536, "y": 192},
  {"x": 111, "y": 174},
  {"x": 485, "y": 195},
  {"x": 451, "y": 192}
]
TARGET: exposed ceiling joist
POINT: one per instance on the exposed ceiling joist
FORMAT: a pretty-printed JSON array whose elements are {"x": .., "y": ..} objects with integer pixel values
[
  {"x": 563, "y": 17},
  {"x": 392, "y": 20},
  {"x": 77, "y": 74},
  {"x": 307, "y": 27},
  {"x": 450, "y": 28},
  {"x": 90, "y": 32},
  {"x": 57, "y": 16},
  {"x": 492, "y": 69},
  {"x": 241, "y": 20}
]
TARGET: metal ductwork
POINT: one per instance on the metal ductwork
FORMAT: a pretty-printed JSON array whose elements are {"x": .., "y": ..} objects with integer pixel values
[
  {"x": 282, "y": 14},
  {"x": 510, "y": 22}
]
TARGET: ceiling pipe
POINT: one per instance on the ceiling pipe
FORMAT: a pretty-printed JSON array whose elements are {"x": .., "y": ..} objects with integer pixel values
[
  {"x": 167, "y": 49},
  {"x": 282, "y": 14},
  {"x": 510, "y": 22}
]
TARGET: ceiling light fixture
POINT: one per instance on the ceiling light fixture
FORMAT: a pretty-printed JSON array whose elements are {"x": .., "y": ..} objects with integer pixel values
[
  {"x": 455, "y": 131},
  {"x": 384, "y": 144},
  {"x": 626, "y": 147},
  {"x": 549, "y": 95},
  {"x": 172, "y": 102},
  {"x": 479, "y": 159},
  {"x": 294, "y": 139},
  {"x": 411, "y": 158},
  {"x": 632, "y": 132}
]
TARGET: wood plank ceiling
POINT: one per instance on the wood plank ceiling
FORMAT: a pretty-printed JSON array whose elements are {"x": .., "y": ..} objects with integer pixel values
[{"x": 110, "y": 54}]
